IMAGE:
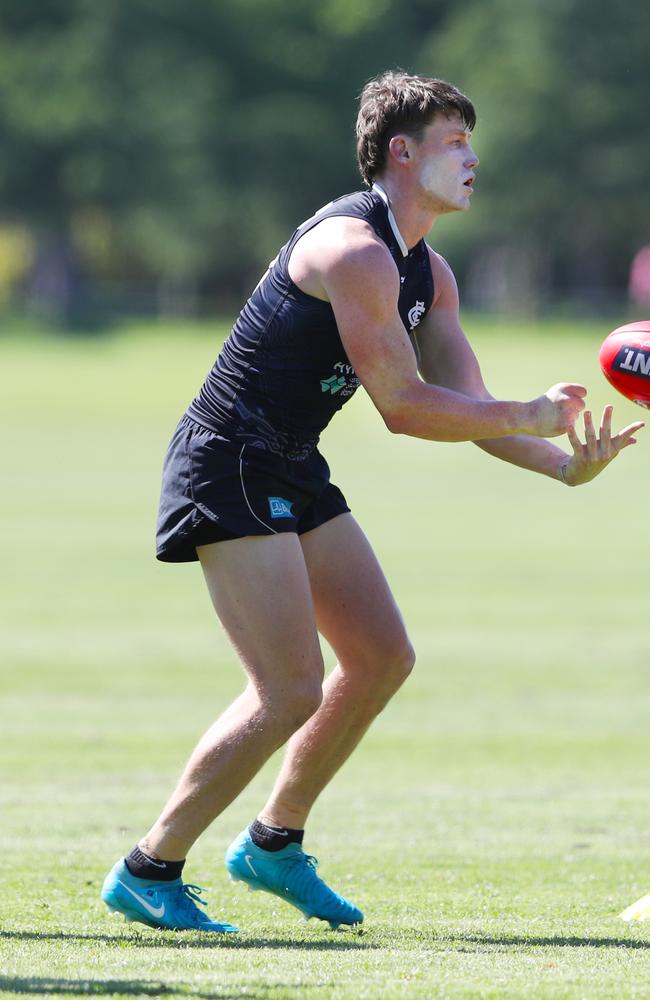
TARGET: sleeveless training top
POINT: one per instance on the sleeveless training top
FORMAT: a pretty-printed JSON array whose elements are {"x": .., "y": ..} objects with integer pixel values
[{"x": 283, "y": 372}]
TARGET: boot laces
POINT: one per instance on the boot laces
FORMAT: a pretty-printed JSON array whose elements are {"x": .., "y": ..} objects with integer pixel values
[
  {"x": 191, "y": 894},
  {"x": 193, "y": 891}
]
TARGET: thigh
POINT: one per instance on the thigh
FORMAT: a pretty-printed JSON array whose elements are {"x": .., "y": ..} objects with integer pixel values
[
  {"x": 261, "y": 592},
  {"x": 355, "y": 609}
]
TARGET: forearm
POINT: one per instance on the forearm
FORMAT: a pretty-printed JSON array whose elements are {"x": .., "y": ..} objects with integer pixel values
[
  {"x": 440, "y": 414},
  {"x": 533, "y": 453}
]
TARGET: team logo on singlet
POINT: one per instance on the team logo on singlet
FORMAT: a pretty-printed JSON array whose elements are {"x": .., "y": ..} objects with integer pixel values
[
  {"x": 415, "y": 314},
  {"x": 344, "y": 380}
]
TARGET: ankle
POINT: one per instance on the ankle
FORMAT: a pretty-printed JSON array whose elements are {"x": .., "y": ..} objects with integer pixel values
[
  {"x": 152, "y": 868},
  {"x": 273, "y": 838}
]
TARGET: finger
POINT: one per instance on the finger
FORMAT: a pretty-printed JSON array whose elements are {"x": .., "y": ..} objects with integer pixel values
[
  {"x": 632, "y": 428},
  {"x": 574, "y": 440},
  {"x": 624, "y": 436},
  {"x": 590, "y": 435},
  {"x": 606, "y": 427}
]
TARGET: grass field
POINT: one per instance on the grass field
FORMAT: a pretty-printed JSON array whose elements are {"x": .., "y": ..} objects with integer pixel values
[{"x": 495, "y": 820}]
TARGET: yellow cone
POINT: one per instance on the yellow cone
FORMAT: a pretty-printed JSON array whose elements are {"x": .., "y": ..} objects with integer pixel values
[{"x": 637, "y": 911}]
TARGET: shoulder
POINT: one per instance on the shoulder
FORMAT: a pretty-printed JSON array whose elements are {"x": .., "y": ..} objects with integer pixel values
[
  {"x": 345, "y": 238},
  {"x": 444, "y": 281},
  {"x": 343, "y": 253}
]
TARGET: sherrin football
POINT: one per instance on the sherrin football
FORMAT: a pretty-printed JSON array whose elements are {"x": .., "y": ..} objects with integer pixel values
[{"x": 625, "y": 361}]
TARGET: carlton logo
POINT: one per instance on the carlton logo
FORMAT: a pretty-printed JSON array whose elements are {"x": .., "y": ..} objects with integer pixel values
[
  {"x": 415, "y": 314},
  {"x": 632, "y": 360}
]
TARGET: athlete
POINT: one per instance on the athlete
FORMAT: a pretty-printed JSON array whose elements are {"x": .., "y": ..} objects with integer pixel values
[{"x": 355, "y": 297}]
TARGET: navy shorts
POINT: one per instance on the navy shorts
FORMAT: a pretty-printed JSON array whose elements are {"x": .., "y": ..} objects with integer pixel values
[{"x": 214, "y": 490}]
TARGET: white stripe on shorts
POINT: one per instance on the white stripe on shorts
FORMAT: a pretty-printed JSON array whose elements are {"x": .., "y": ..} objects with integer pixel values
[{"x": 243, "y": 489}]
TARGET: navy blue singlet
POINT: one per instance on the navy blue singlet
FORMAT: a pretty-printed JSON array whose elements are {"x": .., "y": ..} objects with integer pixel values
[{"x": 283, "y": 372}]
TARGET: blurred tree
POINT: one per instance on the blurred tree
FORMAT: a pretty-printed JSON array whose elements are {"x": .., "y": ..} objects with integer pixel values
[
  {"x": 171, "y": 146},
  {"x": 185, "y": 139},
  {"x": 560, "y": 89}
]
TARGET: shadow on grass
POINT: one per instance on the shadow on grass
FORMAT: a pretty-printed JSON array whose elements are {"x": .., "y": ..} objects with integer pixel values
[
  {"x": 161, "y": 939},
  {"x": 557, "y": 941},
  {"x": 100, "y": 987}
]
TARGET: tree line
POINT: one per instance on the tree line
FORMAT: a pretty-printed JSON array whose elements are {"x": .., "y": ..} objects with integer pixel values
[{"x": 156, "y": 153}]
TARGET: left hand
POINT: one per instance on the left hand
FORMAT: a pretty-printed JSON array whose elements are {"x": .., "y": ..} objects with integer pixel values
[{"x": 589, "y": 459}]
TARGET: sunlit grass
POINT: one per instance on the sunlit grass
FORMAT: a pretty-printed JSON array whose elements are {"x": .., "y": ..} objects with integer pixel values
[{"x": 494, "y": 821}]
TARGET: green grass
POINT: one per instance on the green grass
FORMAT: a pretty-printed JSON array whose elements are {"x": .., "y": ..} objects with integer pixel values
[{"x": 494, "y": 821}]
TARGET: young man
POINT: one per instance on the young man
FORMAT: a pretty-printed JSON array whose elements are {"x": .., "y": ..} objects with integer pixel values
[{"x": 355, "y": 297}]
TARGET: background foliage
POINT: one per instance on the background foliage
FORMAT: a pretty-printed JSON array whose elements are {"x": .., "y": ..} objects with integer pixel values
[{"x": 157, "y": 154}]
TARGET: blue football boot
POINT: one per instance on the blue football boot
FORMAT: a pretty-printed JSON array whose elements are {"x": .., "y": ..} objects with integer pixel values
[
  {"x": 291, "y": 875},
  {"x": 166, "y": 905}
]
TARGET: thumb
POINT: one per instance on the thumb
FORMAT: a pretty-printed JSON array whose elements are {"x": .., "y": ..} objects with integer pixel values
[{"x": 573, "y": 389}]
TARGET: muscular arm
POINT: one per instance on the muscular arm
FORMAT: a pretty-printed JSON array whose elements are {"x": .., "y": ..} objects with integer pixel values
[
  {"x": 445, "y": 357},
  {"x": 353, "y": 269}
]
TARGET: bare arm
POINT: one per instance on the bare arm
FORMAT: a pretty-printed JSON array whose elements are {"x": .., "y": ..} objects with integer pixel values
[
  {"x": 445, "y": 357},
  {"x": 358, "y": 276}
]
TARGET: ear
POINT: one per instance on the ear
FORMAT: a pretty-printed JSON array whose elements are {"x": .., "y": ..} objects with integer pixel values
[{"x": 398, "y": 150}]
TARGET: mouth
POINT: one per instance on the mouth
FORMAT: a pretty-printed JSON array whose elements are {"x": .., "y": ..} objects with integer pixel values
[{"x": 469, "y": 183}]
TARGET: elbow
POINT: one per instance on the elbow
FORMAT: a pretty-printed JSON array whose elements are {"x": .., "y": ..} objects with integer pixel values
[{"x": 395, "y": 421}]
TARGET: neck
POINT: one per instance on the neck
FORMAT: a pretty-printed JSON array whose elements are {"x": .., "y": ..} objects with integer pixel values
[{"x": 414, "y": 220}]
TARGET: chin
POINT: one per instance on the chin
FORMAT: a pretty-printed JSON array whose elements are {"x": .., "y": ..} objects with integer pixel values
[{"x": 464, "y": 204}]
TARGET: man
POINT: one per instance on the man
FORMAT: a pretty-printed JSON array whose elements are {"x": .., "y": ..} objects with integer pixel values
[{"x": 355, "y": 297}]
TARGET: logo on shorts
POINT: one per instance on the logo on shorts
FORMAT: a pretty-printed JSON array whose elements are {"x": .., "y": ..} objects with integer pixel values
[{"x": 280, "y": 507}]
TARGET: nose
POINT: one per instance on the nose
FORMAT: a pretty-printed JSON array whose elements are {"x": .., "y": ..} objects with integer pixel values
[{"x": 473, "y": 161}]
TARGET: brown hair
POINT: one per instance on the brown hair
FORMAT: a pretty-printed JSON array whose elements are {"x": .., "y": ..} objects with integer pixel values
[{"x": 397, "y": 102}]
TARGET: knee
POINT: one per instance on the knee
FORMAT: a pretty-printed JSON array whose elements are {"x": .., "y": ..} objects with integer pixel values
[
  {"x": 303, "y": 702},
  {"x": 399, "y": 664},
  {"x": 391, "y": 668},
  {"x": 383, "y": 672},
  {"x": 288, "y": 709},
  {"x": 408, "y": 660}
]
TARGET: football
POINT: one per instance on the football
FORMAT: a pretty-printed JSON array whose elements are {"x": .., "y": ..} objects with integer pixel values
[{"x": 625, "y": 361}]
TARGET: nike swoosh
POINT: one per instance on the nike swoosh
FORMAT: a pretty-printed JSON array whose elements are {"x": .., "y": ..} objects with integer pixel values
[
  {"x": 280, "y": 833},
  {"x": 155, "y": 911},
  {"x": 158, "y": 864},
  {"x": 249, "y": 861}
]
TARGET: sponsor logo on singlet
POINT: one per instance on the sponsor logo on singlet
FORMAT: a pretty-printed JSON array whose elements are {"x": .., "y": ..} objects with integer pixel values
[
  {"x": 333, "y": 384},
  {"x": 344, "y": 380}
]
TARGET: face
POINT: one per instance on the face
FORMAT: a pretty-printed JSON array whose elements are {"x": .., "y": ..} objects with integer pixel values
[{"x": 445, "y": 163}]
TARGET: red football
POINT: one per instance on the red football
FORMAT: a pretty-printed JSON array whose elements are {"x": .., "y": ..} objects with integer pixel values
[{"x": 625, "y": 361}]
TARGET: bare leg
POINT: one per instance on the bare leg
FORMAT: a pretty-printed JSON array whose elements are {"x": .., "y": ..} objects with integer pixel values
[
  {"x": 357, "y": 614},
  {"x": 261, "y": 591}
]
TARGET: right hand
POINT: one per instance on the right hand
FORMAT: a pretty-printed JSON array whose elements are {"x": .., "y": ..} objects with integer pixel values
[{"x": 557, "y": 410}]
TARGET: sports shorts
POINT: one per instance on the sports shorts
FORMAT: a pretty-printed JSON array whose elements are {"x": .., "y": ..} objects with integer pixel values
[{"x": 214, "y": 490}]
